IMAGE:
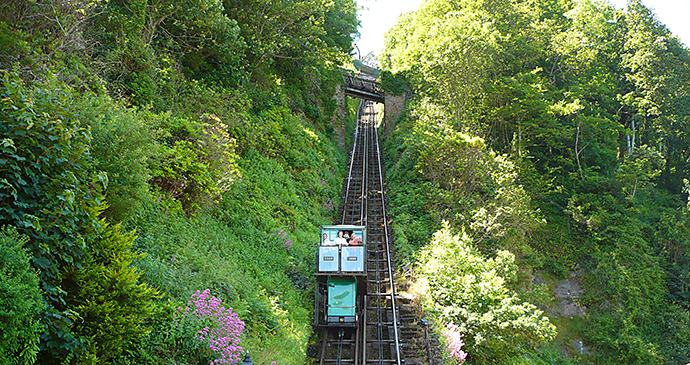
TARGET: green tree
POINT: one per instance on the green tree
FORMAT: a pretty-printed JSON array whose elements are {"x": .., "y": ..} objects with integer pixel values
[
  {"x": 51, "y": 193},
  {"x": 473, "y": 292},
  {"x": 106, "y": 292},
  {"x": 657, "y": 67},
  {"x": 589, "y": 102},
  {"x": 124, "y": 144},
  {"x": 640, "y": 169}
]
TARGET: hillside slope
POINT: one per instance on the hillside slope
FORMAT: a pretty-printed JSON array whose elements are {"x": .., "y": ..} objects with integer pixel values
[
  {"x": 166, "y": 166},
  {"x": 552, "y": 134}
]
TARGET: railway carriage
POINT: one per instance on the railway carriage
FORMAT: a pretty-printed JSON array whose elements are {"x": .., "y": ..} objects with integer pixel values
[{"x": 340, "y": 276}]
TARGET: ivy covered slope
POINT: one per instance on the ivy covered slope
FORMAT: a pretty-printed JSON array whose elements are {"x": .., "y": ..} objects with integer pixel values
[
  {"x": 551, "y": 135},
  {"x": 164, "y": 168}
]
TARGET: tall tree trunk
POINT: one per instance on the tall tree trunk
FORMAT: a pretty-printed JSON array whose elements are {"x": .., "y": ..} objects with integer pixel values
[
  {"x": 631, "y": 145},
  {"x": 577, "y": 150}
]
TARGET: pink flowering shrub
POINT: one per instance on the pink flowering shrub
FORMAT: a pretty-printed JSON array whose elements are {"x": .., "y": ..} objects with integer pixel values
[
  {"x": 221, "y": 327},
  {"x": 454, "y": 343},
  {"x": 287, "y": 242}
]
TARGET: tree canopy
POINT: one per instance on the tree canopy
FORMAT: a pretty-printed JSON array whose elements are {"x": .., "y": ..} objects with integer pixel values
[{"x": 589, "y": 104}]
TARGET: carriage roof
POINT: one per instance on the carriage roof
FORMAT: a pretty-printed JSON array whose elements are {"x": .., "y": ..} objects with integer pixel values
[{"x": 344, "y": 227}]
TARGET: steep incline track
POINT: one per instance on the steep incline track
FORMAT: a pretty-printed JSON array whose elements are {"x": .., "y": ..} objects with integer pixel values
[{"x": 376, "y": 340}]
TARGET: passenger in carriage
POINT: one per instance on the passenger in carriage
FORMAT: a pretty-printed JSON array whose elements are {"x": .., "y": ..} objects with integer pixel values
[
  {"x": 340, "y": 240},
  {"x": 326, "y": 240},
  {"x": 355, "y": 240}
]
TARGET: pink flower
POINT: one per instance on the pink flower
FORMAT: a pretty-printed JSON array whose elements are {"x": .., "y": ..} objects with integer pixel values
[
  {"x": 223, "y": 336},
  {"x": 454, "y": 340}
]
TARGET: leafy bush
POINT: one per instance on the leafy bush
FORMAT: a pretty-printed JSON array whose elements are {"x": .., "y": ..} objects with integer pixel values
[
  {"x": 124, "y": 144},
  {"x": 20, "y": 301},
  {"x": 197, "y": 161},
  {"x": 50, "y": 192},
  {"x": 464, "y": 288},
  {"x": 105, "y": 291}
]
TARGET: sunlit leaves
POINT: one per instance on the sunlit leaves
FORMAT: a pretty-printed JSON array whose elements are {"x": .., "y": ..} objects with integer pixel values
[
  {"x": 591, "y": 102},
  {"x": 452, "y": 52},
  {"x": 640, "y": 169},
  {"x": 471, "y": 291}
]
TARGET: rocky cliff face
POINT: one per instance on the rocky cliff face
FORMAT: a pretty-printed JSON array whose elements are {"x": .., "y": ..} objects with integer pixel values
[{"x": 392, "y": 108}]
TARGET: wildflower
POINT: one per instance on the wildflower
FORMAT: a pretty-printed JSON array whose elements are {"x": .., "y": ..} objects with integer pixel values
[
  {"x": 328, "y": 205},
  {"x": 454, "y": 342},
  {"x": 223, "y": 336}
]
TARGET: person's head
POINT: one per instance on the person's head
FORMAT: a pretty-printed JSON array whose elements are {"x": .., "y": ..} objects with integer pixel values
[
  {"x": 340, "y": 234},
  {"x": 325, "y": 236}
]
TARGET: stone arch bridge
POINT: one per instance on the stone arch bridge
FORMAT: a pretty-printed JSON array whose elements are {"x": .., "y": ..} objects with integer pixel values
[{"x": 365, "y": 86}]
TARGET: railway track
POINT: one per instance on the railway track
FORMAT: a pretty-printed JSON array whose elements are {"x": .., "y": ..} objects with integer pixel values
[{"x": 377, "y": 338}]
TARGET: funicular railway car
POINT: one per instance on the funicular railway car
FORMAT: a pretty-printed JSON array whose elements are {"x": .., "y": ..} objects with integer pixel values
[{"x": 340, "y": 276}]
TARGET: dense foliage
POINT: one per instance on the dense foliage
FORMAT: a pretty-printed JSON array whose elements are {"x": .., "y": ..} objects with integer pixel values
[
  {"x": 150, "y": 150},
  {"x": 20, "y": 301},
  {"x": 586, "y": 107},
  {"x": 52, "y": 195},
  {"x": 473, "y": 293}
]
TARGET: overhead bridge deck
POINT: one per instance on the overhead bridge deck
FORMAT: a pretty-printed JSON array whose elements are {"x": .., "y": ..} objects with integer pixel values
[{"x": 363, "y": 87}]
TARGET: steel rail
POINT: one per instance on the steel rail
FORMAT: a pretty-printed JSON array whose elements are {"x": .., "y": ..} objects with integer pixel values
[
  {"x": 365, "y": 181},
  {"x": 388, "y": 256},
  {"x": 381, "y": 254},
  {"x": 349, "y": 170}
]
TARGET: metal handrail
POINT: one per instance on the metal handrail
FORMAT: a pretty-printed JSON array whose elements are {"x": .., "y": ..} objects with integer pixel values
[{"x": 362, "y": 83}]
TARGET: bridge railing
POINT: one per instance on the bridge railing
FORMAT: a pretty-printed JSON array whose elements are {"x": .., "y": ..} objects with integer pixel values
[{"x": 363, "y": 84}]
